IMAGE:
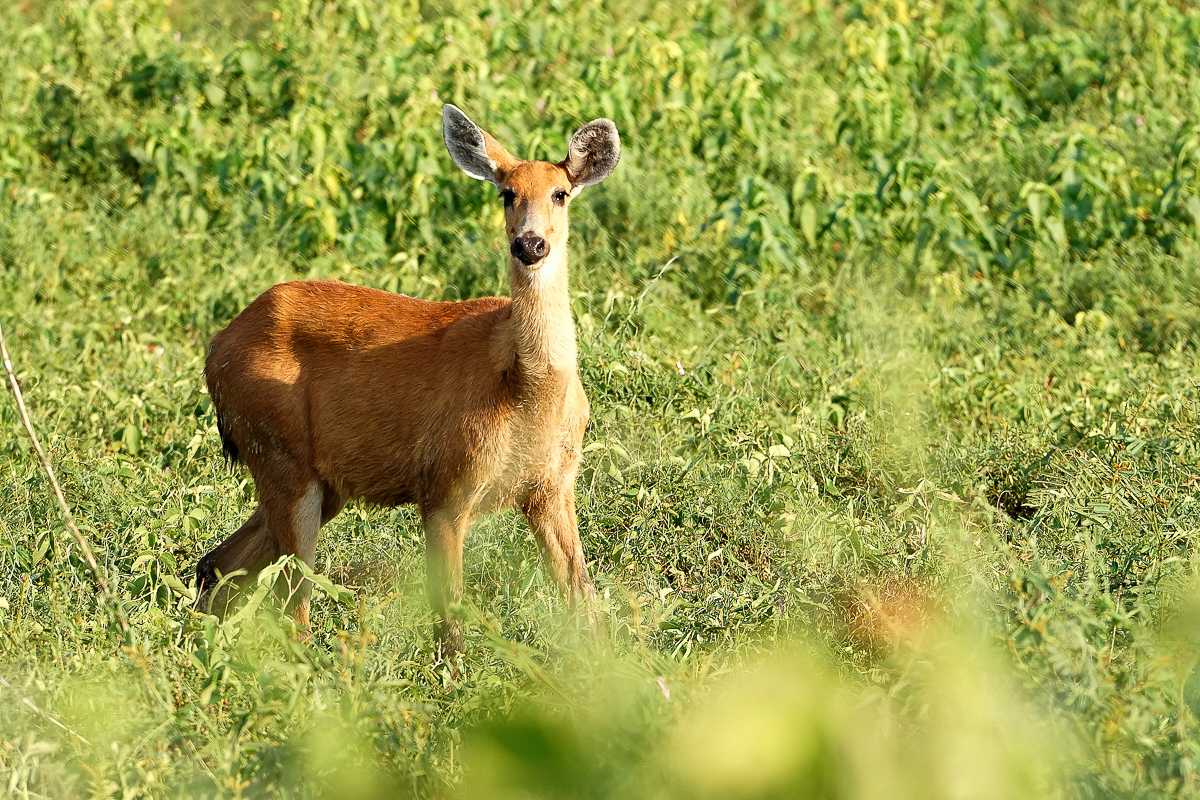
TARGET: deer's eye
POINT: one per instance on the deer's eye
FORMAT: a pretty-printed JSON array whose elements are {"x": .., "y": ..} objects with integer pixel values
[
  {"x": 508, "y": 196},
  {"x": 560, "y": 198}
]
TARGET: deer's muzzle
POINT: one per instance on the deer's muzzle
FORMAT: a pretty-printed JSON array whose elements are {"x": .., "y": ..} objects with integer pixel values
[{"x": 529, "y": 249}]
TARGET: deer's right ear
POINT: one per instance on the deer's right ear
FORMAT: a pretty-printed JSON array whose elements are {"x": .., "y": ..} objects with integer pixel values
[{"x": 474, "y": 151}]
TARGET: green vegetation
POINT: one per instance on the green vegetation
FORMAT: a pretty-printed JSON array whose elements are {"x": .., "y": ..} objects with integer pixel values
[{"x": 889, "y": 320}]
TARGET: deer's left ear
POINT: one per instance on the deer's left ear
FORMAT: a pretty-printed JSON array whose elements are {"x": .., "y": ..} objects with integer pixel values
[{"x": 593, "y": 153}]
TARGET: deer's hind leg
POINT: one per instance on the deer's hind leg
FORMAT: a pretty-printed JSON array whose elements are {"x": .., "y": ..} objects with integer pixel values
[
  {"x": 283, "y": 524},
  {"x": 445, "y": 531},
  {"x": 294, "y": 521},
  {"x": 248, "y": 549}
]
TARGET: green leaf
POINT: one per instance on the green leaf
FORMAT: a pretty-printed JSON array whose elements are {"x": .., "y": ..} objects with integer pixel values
[
  {"x": 808, "y": 223},
  {"x": 879, "y": 53},
  {"x": 1057, "y": 230},
  {"x": 214, "y": 94},
  {"x": 1193, "y": 205},
  {"x": 176, "y": 586},
  {"x": 1037, "y": 204},
  {"x": 131, "y": 439},
  {"x": 250, "y": 61}
]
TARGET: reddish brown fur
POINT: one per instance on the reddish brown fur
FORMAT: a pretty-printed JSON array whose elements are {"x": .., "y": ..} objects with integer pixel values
[{"x": 330, "y": 392}]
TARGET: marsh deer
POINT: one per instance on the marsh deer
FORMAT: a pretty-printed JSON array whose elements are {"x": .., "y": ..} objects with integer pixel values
[{"x": 330, "y": 392}]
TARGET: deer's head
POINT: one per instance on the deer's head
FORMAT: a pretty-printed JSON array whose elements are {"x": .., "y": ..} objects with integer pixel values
[{"x": 536, "y": 194}]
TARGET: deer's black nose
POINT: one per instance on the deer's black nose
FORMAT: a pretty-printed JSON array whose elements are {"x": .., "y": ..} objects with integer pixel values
[{"x": 528, "y": 248}]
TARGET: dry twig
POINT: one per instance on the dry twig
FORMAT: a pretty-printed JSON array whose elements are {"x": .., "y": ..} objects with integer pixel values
[
  {"x": 44, "y": 715},
  {"x": 97, "y": 572}
]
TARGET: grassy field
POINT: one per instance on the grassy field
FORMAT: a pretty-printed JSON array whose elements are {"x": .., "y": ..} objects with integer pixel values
[{"x": 889, "y": 322}]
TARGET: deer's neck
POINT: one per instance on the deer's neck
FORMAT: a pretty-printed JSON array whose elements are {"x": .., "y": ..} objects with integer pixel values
[{"x": 543, "y": 332}]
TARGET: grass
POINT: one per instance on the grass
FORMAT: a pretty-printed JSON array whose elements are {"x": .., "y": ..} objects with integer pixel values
[{"x": 888, "y": 319}]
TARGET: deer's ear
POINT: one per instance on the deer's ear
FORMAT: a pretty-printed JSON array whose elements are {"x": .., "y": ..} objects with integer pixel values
[
  {"x": 593, "y": 153},
  {"x": 473, "y": 150}
]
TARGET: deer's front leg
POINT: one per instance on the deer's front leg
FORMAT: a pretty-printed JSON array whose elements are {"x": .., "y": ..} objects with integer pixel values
[
  {"x": 444, "y": 535},
  {"x": 551, "y": 515}
]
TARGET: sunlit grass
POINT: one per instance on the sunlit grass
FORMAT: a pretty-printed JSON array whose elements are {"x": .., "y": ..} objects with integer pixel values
[{"x": 888, "y": 320}]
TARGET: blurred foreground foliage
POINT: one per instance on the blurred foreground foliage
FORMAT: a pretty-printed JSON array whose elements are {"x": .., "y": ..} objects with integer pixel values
[{"x": 888, "y": 318}]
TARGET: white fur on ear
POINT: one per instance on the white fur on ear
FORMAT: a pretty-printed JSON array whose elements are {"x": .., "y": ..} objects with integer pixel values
[
  {"x": 465, "y": 142},
  {"x": 593, "y": 153}
]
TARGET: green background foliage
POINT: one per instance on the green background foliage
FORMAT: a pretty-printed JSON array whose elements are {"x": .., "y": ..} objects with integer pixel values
[{"x": 888, "y": 318}]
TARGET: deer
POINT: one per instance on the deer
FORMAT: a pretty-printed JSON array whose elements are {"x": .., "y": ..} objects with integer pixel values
[{"x": 329, "y": 392}]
